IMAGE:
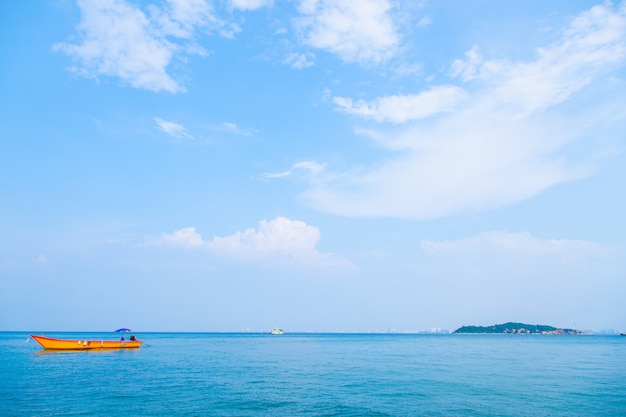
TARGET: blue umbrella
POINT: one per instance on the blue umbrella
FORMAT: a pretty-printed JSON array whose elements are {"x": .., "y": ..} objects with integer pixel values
[{"x": 123, "y": 329}]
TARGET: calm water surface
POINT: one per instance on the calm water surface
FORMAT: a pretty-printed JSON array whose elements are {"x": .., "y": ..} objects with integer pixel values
[{"x": 318, "y": 375}]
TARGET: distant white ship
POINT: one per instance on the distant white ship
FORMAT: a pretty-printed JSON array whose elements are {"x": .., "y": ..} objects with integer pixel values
[{"x": 276, "y": 331}]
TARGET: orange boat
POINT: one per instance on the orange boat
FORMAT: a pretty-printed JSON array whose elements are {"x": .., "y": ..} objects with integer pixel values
[{"x": 49, "y": 343}]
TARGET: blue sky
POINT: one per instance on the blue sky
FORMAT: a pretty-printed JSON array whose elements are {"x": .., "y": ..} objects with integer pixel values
[{"x": 316, "y": 165}]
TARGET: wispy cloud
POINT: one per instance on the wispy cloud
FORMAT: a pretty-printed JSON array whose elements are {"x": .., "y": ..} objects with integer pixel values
[
  {"x": 235, "y": 129},
  {"x": 249, "y": 4},
  {"x": 360, "y": 31},
  {"x": 173, "y": 129},
  {"x": 520, "y": 244},
  {"x": 300, "y": 61},
  {"x": 404, "y": 108},
  {"x": 304, "y": 167},
  {"x": 281, "y": 240},
  {"x": 501, "y": 138},
  {"x": 592, "y": 45},
  {"x": 118, "y": 39}
]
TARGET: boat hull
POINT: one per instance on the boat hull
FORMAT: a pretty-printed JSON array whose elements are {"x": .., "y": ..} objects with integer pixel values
[{"x": 49, "y": 343}]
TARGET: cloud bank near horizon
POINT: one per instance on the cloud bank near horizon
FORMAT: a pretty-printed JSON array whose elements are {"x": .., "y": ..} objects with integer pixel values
[{"x": 521, "y": 244}]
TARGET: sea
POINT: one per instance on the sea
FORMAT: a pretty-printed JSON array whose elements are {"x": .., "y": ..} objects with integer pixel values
[{"x": 254, "y": 374}]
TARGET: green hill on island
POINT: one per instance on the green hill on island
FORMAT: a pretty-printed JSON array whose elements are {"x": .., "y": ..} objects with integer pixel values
[{"x": 515, "y": 328}]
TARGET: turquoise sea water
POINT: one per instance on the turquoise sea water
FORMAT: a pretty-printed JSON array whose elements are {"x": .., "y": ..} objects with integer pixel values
[{"x": 204, "y": 374}]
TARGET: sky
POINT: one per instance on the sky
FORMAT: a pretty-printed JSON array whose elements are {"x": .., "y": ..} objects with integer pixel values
[{"x": 313, "y": 165}]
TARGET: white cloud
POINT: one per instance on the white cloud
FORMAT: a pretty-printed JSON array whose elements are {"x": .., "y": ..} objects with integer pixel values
[
  {"x": 305, "y": 167},
  {"x": 181, "y": 18},
  {"x": 310, "y": 166},
  {"x": 270, "y": 175},
  {"x": 403, "y": 108},
  {"x": 118, "y": 39},
  {"x": 249, "y": 4},
  {"x": 593, "y": 44},
  {"x": 173, "y": 129},
  {"x": 507, "y": 141},
  {"x": 235, "y": 129},
  {"x": 360, "y": 31},
  {"x": 184, "y": 238},
  {"x": 280, "y": 236},
  {"x": 280, "y": 240},
  {"x": 521, "y": 244},
  {"x": 300, "y": 61}
]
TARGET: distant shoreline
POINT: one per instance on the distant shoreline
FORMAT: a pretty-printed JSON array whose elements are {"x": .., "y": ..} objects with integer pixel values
[
  {"x": 461, "y": 331},
  {"x": 516, "y": 328}
]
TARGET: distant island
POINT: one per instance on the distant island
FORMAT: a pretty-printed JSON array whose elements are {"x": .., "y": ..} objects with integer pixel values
[{"x": 516, "y": 328}]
